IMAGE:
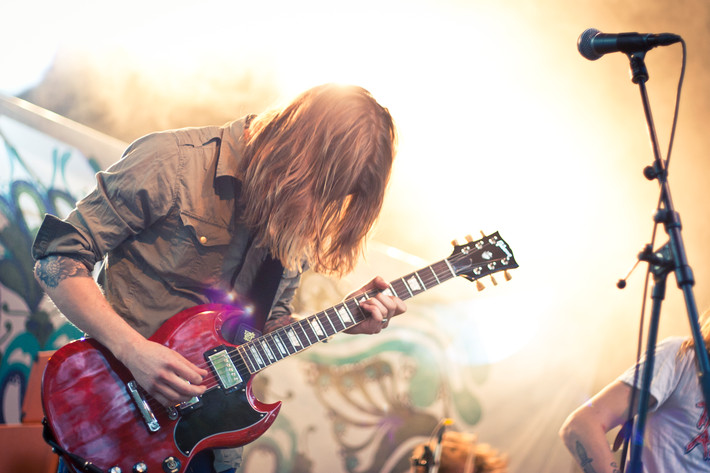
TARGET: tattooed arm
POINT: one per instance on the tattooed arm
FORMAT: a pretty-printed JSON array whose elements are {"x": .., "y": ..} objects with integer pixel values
[
  {"x": 584, "y": 431},
  {"x": 161, "y": 371}
]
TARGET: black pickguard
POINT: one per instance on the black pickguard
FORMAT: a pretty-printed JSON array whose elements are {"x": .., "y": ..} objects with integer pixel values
[{"x": 218, "y": 413}]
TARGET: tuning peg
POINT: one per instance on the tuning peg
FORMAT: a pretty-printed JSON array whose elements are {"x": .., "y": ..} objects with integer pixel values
[
  {"x": 507, "y": 275},
  {"x": 479, "y": 285},
  {"x": 455, "y": 242},
  {"x": 469, "y": 238},
  {"x": 493, "y": 280},
  {"x": 482, "y": 234}
]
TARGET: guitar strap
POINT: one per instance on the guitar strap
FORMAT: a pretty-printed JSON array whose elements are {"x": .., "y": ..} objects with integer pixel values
[
  {"x": 263, "y": 289},
  {"x": 79, "y": 462},
  {"x": 257, "y": 281}
]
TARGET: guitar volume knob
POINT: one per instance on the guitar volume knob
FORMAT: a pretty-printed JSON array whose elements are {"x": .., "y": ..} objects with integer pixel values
[
  {"x": 140, "y": 467},
  {"x": 171, "y": 465}
]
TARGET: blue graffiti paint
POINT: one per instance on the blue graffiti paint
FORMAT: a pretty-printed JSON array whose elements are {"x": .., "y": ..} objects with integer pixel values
[{"x": 24, "y": 200}]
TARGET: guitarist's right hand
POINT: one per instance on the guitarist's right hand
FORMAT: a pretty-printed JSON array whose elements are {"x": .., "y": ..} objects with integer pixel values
[{"x": 164, "y": 373}]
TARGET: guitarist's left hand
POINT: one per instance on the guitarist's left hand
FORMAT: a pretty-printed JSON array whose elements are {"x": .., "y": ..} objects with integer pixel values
[{"x": 381, "y": 308}]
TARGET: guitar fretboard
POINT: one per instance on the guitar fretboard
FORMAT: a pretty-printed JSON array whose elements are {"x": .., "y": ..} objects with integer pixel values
[{"x": 296, "y": 337}]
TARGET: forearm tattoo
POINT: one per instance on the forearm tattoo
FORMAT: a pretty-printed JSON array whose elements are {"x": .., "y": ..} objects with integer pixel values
[
  {"x": 586, "y": 462},
  {"x": 51, "y": 270}
]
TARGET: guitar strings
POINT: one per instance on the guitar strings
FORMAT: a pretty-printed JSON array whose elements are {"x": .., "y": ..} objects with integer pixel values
[
  {"x": 238, "y": 353},
  {"x": 429, "y": 279}
]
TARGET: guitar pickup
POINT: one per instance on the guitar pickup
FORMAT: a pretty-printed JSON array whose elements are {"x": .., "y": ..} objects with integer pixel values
[
  {"x": 148, "y": 417},
  {"x": 223, "y": 367}
]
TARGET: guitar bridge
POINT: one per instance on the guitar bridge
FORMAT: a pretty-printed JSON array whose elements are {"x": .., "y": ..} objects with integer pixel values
[{"x": 148, "y": 417}]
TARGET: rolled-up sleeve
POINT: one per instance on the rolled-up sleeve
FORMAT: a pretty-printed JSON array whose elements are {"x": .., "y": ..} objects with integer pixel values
[
  {"x": 58, "y": 237},
  {"x": 132, "y": 194}
]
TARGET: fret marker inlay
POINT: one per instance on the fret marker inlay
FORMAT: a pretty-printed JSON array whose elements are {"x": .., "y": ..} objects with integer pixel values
[
  {"x": 280, "y": 345},
  {"x": 317, "y": 328},
  {"x": 413, "y": 284},
  {"x": 267, "y": 350},
  {"x": 257, "y": 356},
  {"x": 345, "y": 315},
  {"x": 293, "y": 338}
]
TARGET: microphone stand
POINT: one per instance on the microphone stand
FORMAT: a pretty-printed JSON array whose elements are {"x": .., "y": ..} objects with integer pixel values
[{"x": 670, "y": 257}]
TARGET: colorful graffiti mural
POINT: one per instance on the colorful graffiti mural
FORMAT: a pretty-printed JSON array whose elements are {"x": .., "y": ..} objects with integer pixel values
[{"x": 39, "y": 175}]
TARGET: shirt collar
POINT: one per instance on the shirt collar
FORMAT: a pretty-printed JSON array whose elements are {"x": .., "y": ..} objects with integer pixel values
[{"x": 232, "y": 148}]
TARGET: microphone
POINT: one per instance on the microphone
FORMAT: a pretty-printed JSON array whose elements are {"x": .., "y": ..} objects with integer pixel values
[{"x": 592, "y": 44}]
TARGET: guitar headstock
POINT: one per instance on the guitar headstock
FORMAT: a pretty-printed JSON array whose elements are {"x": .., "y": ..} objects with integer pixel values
[{"x": 476, "y": 259}]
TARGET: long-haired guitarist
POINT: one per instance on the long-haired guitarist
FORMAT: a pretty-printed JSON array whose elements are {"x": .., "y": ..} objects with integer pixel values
[{"x": 202, "y": 215}]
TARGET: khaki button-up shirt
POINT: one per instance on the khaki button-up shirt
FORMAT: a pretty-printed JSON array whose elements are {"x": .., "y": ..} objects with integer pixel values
[{"x": 165, "y": 219}]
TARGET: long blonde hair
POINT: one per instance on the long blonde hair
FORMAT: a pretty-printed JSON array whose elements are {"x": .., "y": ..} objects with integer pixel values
[
  {"x": 315, "y": 176},
  {"x": 704, "y": 321}
]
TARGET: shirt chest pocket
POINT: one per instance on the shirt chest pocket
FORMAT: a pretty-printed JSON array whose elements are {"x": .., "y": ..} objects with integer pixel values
[
  {"x": 197, "y": 252},
  {"x": 205, "y": 234}
]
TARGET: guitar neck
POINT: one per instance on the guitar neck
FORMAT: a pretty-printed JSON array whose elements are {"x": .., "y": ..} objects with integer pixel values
[
  {"x": 296, "y": 337},
  {"x": 472, "y": 260}
]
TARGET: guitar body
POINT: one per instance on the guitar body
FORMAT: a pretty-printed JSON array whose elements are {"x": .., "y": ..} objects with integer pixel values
[{"x": 93, "y": 415}]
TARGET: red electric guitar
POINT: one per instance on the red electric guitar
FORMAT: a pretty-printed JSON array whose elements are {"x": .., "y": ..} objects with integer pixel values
[{"x": 100, "y": 420}]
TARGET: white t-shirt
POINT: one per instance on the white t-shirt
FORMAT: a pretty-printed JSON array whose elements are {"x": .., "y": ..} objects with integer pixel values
[{"x": 676, "y": 435}]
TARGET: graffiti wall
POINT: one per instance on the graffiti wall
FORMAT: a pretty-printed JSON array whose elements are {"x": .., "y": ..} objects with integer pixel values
[{"x": 45, "y": 164}]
